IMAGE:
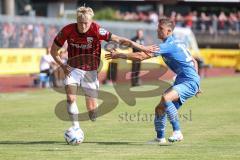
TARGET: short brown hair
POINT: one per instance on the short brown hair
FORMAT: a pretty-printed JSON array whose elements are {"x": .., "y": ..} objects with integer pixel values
[{"x": 167, "y": 21}]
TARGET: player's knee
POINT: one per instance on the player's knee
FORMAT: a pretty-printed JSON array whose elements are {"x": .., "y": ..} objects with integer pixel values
[{"x": 165, "y": 98}]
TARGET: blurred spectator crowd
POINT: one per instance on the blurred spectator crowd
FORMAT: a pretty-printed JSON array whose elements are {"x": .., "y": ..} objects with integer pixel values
[
  {"x": 199, "y": 22},
  {"x": 19, "y": 35},
  {"x": 26, "y": 35}
]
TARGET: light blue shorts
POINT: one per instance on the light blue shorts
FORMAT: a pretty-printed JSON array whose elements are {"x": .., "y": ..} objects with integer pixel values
[{"x": 186, "y": 89}]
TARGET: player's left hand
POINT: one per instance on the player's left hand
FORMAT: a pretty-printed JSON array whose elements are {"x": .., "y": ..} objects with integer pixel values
[{"x": 150, "y": 49}]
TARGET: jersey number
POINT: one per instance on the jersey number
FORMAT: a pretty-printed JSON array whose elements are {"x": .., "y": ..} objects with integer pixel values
[{"x": 187, "y": 54}]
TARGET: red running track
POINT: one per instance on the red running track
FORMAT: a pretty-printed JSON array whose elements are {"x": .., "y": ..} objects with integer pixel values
[{"x": 24, "y": 82}]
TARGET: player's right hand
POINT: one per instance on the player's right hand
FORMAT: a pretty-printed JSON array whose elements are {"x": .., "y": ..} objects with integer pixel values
[{"x": 67, "y": 70}]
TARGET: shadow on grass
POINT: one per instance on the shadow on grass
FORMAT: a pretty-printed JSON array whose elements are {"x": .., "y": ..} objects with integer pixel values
[
  {"x": 125, "y": 143},
  {"x": 85, "y": 142},
  {"x": 111, "y": 143},
  {"x": 59, "y": 142},
  {"x": 30, "y": 142}
]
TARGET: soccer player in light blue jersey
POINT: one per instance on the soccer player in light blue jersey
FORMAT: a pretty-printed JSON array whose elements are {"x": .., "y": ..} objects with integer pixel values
[{"x": 186, "y": 85}]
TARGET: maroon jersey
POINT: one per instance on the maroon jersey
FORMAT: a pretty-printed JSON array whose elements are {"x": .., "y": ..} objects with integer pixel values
[{"x": 84, "y": 49}]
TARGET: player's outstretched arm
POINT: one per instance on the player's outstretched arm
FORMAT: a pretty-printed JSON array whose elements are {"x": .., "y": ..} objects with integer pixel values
[
  {"x": 127, "y": 42},
  {"x": 137, "y": 56}
]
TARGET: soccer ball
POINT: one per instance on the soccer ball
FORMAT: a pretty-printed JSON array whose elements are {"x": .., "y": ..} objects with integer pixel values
[{"x": 74, "y": 136}]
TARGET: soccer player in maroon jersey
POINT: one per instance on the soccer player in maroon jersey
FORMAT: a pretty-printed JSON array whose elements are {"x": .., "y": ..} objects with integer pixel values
[{"x": 84, "y": 51}]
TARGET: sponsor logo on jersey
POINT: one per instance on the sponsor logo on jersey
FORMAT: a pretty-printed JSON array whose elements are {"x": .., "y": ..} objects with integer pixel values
[
  {"x": 89, "y": 39},
  {"x": 102, "y": 31},
  {"x": 83, "y": 46}
]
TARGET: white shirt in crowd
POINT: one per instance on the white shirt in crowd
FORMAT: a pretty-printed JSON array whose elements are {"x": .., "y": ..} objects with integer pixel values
[{"x": 45, "y": 62}]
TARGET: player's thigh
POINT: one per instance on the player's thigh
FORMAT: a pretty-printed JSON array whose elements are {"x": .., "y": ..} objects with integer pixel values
[
  {"x": 74, "y": 77},
  {"x": 90, "y": 84},
  {"x": 72, "y": 82},
  {"x": 186, "y": 90},
  {"x": 170, "y": 95}
]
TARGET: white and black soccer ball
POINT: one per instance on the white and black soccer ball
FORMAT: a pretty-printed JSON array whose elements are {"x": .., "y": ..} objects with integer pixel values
[{"x": 74, "y": 136}]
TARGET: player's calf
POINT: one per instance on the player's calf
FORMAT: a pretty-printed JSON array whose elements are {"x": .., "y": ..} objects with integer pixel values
[{"x": 93, "y": 114}]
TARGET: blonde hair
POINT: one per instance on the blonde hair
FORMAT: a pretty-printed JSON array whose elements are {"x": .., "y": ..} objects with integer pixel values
[{"x": 85, "y": 12}]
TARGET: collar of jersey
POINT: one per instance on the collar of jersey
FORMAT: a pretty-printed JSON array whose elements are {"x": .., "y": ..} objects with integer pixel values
[{"x": 168, "y": 39}]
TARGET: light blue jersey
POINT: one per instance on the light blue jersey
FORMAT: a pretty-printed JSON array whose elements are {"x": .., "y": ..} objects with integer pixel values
[{"x": 179, "y": 60}]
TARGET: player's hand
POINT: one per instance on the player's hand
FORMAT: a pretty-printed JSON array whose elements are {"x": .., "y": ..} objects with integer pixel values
[
  {"x": 67, "y": 70},
  {"x": 150, "y": 49},
  {"x": 112, "y": 55},
  {"x": 198, "y": 93}
]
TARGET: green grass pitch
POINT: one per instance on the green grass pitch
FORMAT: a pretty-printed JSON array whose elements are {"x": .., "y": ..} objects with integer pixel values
[{"x": 30, "y": 130}]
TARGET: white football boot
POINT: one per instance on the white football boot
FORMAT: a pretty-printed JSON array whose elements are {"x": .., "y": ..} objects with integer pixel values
[{"x": 177, "y": 136}]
